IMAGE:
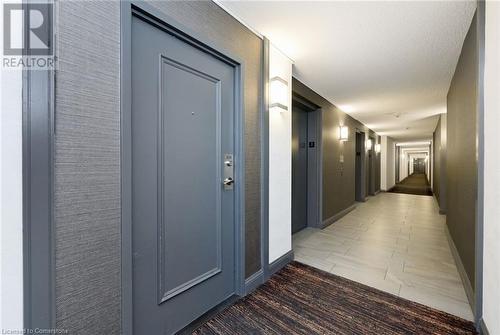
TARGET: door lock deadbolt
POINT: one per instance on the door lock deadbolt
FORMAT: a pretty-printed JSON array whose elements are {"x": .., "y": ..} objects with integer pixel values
[{"x": 228, "y": 176}]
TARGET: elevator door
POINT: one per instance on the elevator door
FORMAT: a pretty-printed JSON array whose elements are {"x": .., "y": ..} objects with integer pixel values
[
  {"x": 299, "y": 168},
  {"x": 360, "y": 147}
]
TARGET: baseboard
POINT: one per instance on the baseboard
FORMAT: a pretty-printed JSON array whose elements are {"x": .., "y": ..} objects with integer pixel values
[
  {"x": 435, "y": 198},
  {"x": 254, "y": 281},
  {"x": 337, "y": 216},
  {"x": 376, "y": 192},
  {"x": 483, "y": 330},
  {"x": 441, "y": 211},
  {"x": 280, "y": 263},
  {"x": 461, "y": 271}
]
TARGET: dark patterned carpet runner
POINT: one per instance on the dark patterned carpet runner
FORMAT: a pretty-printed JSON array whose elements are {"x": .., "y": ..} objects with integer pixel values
[{"x": 303, "y": 300}]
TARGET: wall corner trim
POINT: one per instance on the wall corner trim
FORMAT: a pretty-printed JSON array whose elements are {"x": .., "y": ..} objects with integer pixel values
[
  {"x": 280, "y": 263},
  {"x": 254, "y": 281},
  {"x": 38, "y": 228},
  {"x": 338, "y": 216},
  {"x": 442, "y": 211},
  {"x": 461, "y": 270},
  {"x": 483, "y": 330}
]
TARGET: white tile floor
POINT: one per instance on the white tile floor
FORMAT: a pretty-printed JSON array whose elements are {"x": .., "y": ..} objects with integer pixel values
[{"x": 395, "y": 243}]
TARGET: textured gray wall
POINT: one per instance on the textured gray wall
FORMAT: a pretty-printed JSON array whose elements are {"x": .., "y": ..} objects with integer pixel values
[
  {"x": 338, "y": 188},
  {"x": 87, "y": 168},
  {"x": 461, "y": 162},
  {"x": 87, "y": 152}
]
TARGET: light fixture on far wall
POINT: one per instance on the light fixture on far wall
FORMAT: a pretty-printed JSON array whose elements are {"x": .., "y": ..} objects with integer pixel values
[
  {"x": 377, "y": 148},
  {"x": 369, "y": 144},
  {"x": 343, "y": 133},
  {"x": 278, "y": 93}
]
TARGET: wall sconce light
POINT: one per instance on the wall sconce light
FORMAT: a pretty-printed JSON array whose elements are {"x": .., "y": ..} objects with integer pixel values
[
  {"x": 343, "y": 133},
  {"x": 377, "y": 148},
  {"x": 278, "y": 93},
  {"x": 369, "y": 144}
]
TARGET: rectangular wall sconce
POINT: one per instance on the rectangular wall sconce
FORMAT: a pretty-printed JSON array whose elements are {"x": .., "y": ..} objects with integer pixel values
[
  {"x": 369, "y": 144},
  {"x": 343, "y": 133},
  {"x": 278, "y": 93},
  {"x": 377, "y": 148}
]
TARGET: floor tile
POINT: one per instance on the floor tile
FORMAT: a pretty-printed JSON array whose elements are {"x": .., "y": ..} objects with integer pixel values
[{"x": 393, "y": 242}]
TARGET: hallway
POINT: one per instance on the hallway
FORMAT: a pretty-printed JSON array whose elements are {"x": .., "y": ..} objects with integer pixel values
[
  {"x": 251, "y": 167},
  {"x": 415, "y": 183},
  {"x": 393, "y": 242}
]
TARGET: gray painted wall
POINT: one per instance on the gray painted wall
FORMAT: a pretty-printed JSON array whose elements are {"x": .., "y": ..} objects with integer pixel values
[
  {"x": 439, "y": 163},
  {"x": 87, "y": 152},
  {"x": 461, "y": 163},
  {"x": 338, "y": 182}
]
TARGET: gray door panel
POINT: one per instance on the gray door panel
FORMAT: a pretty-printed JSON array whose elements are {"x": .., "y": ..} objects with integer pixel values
[
  {"x": 299, "y": 168},
  {"x": 182, "y": 218}
]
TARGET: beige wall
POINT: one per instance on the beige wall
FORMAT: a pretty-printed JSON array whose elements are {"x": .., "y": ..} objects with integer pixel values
[{"x": 461, "y": 159}]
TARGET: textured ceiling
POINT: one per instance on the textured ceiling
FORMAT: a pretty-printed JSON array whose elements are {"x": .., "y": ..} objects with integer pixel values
[{"x": 388, "y": 64}]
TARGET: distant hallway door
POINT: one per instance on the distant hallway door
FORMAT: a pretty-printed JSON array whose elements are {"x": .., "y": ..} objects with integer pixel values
[
  {"x": 183, "y": 203},
  {"x": 419, "y": 165},
  {"x": 299, "y": 168},
  {"x": 360, "y": 157}
]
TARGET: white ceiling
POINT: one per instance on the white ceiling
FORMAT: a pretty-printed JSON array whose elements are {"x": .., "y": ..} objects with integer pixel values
[{"x": 388, "y": 64}]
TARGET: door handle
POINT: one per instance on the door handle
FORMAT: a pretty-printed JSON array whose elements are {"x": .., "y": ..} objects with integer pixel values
[
  {"x": 228, "y": 181},
  {"x": 228, "y": 175}
]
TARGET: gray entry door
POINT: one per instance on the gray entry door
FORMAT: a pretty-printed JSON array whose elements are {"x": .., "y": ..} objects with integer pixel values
[
  {"x": 182, "y": 215},
  {"x": 299, "y": 168}
]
